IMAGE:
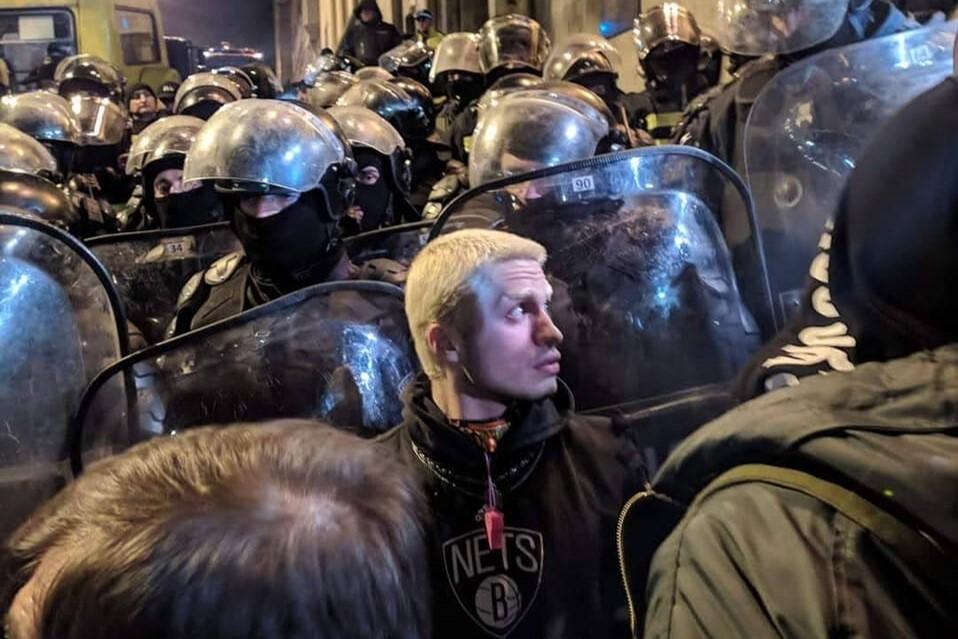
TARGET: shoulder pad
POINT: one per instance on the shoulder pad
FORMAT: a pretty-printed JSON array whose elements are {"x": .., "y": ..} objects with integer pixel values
[
  {"x": 189, "y": 289},
  {"x": 223, "y": 268}
]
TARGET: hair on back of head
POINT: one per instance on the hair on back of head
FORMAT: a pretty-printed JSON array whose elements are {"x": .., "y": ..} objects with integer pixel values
[{"x": 282, "y": 530}]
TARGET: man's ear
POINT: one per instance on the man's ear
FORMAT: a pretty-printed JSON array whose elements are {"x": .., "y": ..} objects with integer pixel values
[{"x": 442, "y": 344}]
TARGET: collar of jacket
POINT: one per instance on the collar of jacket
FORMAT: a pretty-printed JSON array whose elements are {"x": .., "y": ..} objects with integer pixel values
[{"x": 531, "y": 425}]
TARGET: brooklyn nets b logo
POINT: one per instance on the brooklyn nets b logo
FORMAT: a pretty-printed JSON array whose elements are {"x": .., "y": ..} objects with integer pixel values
[{"x": 495, "y": 588}]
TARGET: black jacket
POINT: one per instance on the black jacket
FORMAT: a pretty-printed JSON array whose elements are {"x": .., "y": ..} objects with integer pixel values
[
  {"x": 881, "y": 286},
  {"x": 366, "y": 42},
  {"x": 758, "y": 559},
  {"x": 562, "y": 478}
]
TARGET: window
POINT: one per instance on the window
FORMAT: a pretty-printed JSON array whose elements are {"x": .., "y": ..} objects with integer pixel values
[
  {"x": 32, "y": 42},
  {"x": 138, "y": 38}
]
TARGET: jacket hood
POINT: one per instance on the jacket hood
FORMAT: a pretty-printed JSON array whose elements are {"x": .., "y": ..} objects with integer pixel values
[
  {"x": 368, "y": 4},
  {"x": 531, "y": 424},
  {"x": 881, "y": 286},
  {"x": 889, "y": 430}
]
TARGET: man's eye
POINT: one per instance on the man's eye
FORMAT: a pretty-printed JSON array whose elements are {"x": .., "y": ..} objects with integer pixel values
[{"x": 517, "y": 312}]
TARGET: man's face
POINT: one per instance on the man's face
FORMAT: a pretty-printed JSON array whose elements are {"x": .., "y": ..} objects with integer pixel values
[
  {"x": 512, "y": 350},
  {"x": 512, "y": 165},
  {"x": 169, "y": 182},
  {"x": 423, "y": 24},
  {"x": 262, "y": 206},
  {"x": 142, "y": 103},
  {"x": 367, "y": 15}
]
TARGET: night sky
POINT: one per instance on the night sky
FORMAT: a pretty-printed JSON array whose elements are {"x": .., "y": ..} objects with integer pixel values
[{"x": 243, "y": 23}]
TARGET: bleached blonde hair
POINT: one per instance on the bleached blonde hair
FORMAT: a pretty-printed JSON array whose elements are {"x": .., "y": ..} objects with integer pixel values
[{"x": 445, "y": 273}]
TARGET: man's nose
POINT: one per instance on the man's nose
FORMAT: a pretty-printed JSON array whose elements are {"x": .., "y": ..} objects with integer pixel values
[{"x": 547, "y": 333}]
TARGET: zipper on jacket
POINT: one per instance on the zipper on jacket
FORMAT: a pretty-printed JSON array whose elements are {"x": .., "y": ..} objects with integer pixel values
[{"x": 620, "y": 551}]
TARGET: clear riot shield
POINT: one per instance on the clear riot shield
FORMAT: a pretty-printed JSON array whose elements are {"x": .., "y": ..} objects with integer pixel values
[
  {"x": 644, "y": 290},
  {"x": 807, "y": 129},
  {"x": 338, "y": 352},
  {"x": 150, "y": 268},
  {"x": 400, "y": 243},
  {"x": 60, "y": 324}
]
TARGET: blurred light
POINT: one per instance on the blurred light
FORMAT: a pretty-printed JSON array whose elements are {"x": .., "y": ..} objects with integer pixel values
[{"x": 606, "y": 28}]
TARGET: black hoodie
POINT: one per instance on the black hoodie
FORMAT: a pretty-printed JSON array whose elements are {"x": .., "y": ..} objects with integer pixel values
[
  {"x": 882, "y": 286},
  {"x": 367, "y": 41},
  {"x": 562, "y": 478}
]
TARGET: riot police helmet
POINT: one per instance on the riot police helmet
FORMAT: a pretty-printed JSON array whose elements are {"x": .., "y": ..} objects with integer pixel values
[
  {"x": 411, "y": 59},
  {"x": 373, "y": 73},
  {"x": 266, "y": 83},
  {"x": 270, "y": 147},
  {"x": 239, "y": 77},
  {"x": 458, "y": 52},
  {"x": 166, "y": 138},
  {"x": 504, "y": 86},
  {"x": 775, "y": 27},
  {"x": 364, "y": 128},
  {"x": 46, "y": 117},
  {"x": 418, "y": 92},
  {"x": 394, "y": 104},
  {"x": 203, "y": 93},
  {"x": 25, "y": 169},
  {"x": 89, "y": 74},
  {"x": 525, "y": 132},
  {"x": 324, "y": 63},
  {"x": 580, "y": 55},
  {"x": 512, "y": 43},
  {"x": 327, "y": 87},
  {"x": 102, "y": 122},
  {"x": 667, "y": 40}
]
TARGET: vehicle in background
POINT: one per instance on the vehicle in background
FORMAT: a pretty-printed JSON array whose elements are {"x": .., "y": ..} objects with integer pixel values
[
  {"x": 228, "y": 56},
  {"x": 184, "y": 56},
  {"x": 36, "y": 34}
]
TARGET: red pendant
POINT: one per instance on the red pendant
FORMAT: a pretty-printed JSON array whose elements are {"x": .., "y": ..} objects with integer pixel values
[{"x": 495, "y": 527}]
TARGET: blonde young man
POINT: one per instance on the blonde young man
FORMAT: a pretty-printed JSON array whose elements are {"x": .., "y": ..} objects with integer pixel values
[{"x": 523, "y": 491}]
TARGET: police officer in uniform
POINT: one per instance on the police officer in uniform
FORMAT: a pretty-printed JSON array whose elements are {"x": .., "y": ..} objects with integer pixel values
[
  {"x": 384, "y": 171},
  {"x": 668, "y": 45},
  {"x": 409, "y": 114},
  {"x": 789, "y": 31},
  {"x": 157, "y": 158},
  {"x": 507, "y": 44},
  {"x": 287, "y": 176},
  {"x": 591, "y": 61},
  {"x": 98, "y": 182},
  {"x": 456, "y": 75}
]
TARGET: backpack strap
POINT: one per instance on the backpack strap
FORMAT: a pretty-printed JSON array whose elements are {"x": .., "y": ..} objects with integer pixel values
[{"x": 937, "y": 565}]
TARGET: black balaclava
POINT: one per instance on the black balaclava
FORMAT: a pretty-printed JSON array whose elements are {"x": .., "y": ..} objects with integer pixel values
[
  {"x": 294, "y": 248},
  {"x": 191, "y": 208},
  {"x": 374, "y": 199},
  {"x": 465, "y": 88}
]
